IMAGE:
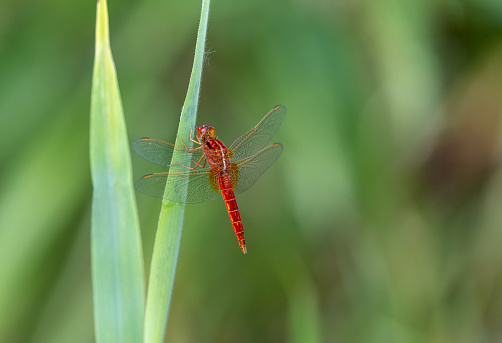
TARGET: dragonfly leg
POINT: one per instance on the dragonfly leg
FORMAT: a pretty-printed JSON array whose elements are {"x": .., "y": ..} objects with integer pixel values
[
  {"x": 198, "y": 148},
  {"x": 186, "y": 148},
  {"x": 197, "y": 164},
  {"x": 195, "y": 141},
  {"x": 180, "y": 164}
]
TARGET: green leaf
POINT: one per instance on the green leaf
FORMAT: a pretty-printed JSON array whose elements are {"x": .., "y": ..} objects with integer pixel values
[
  {"x": 117, "y": 260},
  {"x": 167, "y": 241}
]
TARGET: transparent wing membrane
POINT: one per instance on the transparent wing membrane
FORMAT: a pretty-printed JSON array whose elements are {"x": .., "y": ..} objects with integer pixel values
[
  {"x": 201, "y": 185},
  {"x": 258, "y": 137},
  {"x": 253, "y": 167},
  {"x": 160, "y": 152}
]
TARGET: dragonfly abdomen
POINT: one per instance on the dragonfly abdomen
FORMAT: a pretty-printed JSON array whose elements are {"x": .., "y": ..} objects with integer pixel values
[{"x": 233, "y": 210}]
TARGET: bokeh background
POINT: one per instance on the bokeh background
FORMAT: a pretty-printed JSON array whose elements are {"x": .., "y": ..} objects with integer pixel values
[{"x": 381, "y": 221}]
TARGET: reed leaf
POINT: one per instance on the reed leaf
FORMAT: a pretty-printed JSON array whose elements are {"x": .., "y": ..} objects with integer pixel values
[
  {"x": 167, "y": 240},
  {"x": 117, "y": 260}
]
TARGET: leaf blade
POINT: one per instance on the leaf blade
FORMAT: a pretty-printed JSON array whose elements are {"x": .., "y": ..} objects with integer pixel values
[
  {"x": 117, "y": 258},
  {"x": 167, "y": 240}
]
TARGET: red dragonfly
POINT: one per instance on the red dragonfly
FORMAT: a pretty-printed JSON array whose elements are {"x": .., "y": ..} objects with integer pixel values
[{"x": 213, "y": 167}]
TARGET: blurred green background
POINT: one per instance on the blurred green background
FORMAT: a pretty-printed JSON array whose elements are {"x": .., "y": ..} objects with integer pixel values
[{"x": 381, "y": 221}]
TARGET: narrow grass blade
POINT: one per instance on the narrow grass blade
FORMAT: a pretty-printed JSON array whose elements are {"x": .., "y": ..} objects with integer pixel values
[
  {"x": 117, "y": 260},
  {"x": 167, "y": 241}
]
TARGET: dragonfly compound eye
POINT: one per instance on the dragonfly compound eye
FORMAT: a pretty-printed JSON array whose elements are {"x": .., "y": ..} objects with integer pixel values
[
  {"x": 200, "y": 131},
  {"x": 211, "y": 131}
]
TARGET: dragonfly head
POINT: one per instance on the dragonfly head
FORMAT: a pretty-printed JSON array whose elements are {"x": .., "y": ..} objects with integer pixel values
[{"x": 204, "y": 132}]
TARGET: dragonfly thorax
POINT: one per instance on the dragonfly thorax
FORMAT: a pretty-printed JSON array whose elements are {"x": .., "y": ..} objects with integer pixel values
[{"x": 204, "y": 132}]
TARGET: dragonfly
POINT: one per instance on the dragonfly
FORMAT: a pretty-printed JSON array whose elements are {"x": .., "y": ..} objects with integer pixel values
[{"x": 212, "y": 168}]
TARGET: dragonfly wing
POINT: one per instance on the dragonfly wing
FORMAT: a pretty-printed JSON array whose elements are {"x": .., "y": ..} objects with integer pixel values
[
  {"x": 250, "y": 169},
  {"x": 160, "y": 152},
  {"x": 257, "y": 138},
  {"x": 201, "y": 185}
]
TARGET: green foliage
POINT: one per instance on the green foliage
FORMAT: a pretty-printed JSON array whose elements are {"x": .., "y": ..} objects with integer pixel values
[
  {"x": 117, "y": 261},
  {"x": 167, "y": 240},
  {"x": 379, "y": 223}
]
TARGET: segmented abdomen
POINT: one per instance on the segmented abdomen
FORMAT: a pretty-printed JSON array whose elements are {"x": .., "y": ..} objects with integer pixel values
[{"x": 233, "y": 210}]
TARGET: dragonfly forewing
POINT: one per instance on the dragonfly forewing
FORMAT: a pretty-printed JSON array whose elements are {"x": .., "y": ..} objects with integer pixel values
[
  {"x": 160, "y": 152},
  {"x": 259, "y": 136}
]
